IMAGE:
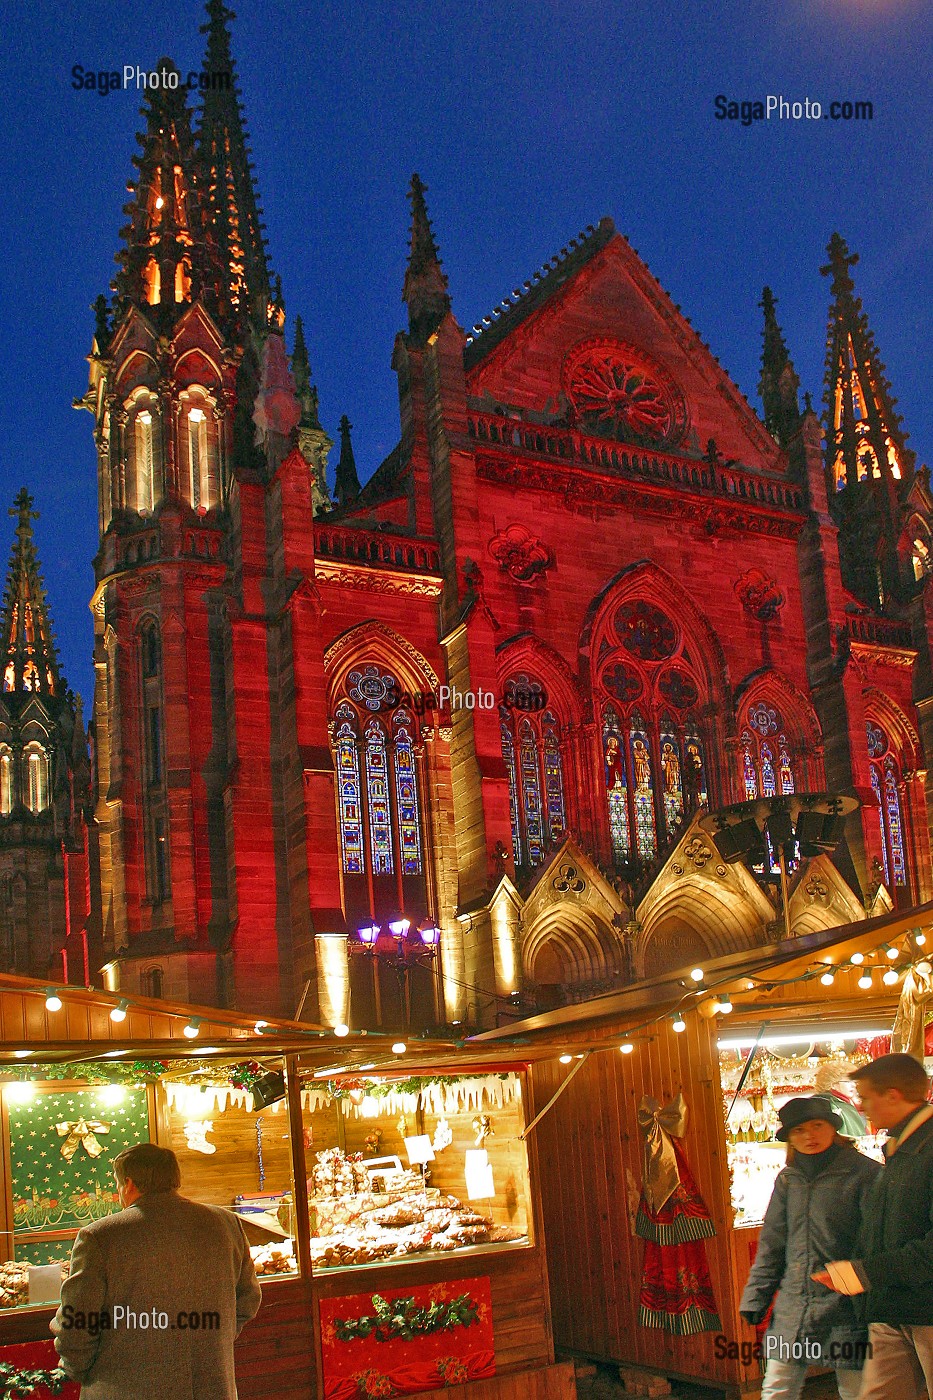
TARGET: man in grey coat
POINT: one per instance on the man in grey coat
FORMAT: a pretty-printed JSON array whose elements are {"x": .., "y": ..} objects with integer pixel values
[{"x": 157, "y": 1293}]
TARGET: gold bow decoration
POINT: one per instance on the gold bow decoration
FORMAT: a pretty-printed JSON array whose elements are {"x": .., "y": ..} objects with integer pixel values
[
  {"x": 81, "y": 1133},
  {"x": 658, "y": 1125}
]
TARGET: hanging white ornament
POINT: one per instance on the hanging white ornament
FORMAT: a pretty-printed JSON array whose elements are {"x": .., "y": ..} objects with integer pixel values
[
  {"x": 443, "y": 1135},
  {"x": 196, "y": 1130}
]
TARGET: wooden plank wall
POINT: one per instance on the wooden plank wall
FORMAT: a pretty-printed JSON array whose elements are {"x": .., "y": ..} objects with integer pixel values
[
  {"x": 551, "y": 1383},
  {"x": 216, "y": 1178},
  {"x": 591, "y": 1154}
]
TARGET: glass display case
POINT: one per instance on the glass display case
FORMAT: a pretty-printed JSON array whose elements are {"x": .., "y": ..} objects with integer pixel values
[{"x": 417, "y": 1168}]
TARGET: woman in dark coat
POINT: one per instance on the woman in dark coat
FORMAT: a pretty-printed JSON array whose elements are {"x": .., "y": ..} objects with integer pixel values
[{"x": 813, "y": 1216}]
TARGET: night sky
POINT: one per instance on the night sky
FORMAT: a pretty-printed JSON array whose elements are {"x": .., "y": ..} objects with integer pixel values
[{"x": 527, "y": 119}]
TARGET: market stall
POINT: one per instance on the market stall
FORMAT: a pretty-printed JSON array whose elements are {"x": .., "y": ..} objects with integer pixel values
[
  {"x": 387, "y": 1193},
  {"x": 659, "y": 1288}
]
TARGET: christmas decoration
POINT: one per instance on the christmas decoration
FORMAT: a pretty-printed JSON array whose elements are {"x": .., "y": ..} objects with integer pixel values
[
  {"x": 482, "y": 1127},
  {"x": 196, "y": 1130},
  {"x": 402, "y": 1318},
  {"x": 81, "y": 1134},
  {"x": 672, "y": 1219},
  {"x": 443, "y": 1135},
  {"x": 372, "y": 1141},
  {"x": 21, "y": 1385}
]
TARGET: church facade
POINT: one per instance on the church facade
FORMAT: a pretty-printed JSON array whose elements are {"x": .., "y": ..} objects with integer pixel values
[{"x": 434, "y": 750}]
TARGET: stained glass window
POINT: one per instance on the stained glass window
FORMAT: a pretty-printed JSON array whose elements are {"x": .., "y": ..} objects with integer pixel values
[
  {"x": 768, "y": 788},
  {"x": 348, "y": 781},
  {"x": 642, "y": 790},
  {"x": 671, "y": 777},
  {"x": 695, "y": 769},
  {"x": 616, "y": 786},
  {"x": 892, "y": 810},
  {"x": 406, "y": 794},
  {"x": 786, "y": 771},
  {"x": 508, "y": 753},
  {"x": 553, "y": 780},
  {"x": 531, "y": 792},
  {"x": 377, "y": 794},
  {"x": 876, "y": 788},
  {"x": 749, "y": 775}
]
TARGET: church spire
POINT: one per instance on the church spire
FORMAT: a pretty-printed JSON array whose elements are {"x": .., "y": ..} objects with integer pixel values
[
  {"x": 29, "y": 659},
  {"x": 313, "y": 443},
  {"x": 864, "y": 439},
  {"x": 169, "y": 258},
  {"x": 779, "y": 383},
  {"x": 225, "y": 153},
  {"x": 346, "y": 483},
  {"x": 425, "y": 288},
  {"x": 301, "y": 369}
]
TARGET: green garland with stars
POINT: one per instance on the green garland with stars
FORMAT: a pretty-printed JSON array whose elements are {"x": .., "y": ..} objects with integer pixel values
[
  {"x": 400, "y": 1318},
  {"x": 20, "y": 1385}
]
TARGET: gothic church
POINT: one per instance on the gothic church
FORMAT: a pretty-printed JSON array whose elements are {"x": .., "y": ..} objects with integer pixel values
[{"x": 677, "y": 604}]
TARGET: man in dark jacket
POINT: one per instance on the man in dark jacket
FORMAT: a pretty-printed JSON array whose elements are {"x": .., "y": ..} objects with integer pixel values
[
  {"x": 157, "y": 1293},
  {"x": 894, "y": 1267}
]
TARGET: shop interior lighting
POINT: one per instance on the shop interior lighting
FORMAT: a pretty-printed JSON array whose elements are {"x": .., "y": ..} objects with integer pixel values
[
  {"x": 20, "y": 1091},
  {"x": 865, "y": 980},
  {"x": 399, "y": 1047},
  {"x": 193, "y": 1028},
  {"x": 740, "y": 1043},
  {"x": 21, "y": 1054},
  {"x": 679, "y": 1023},
  {"x": 697, "y": 974},
  {"x": 341, "y": 1029},
  {"x": 828, "y": 978},
  {"x": 890, "y": 977},
  {"x": 724, "y": 1005},
  {"x": 857, "y": 958},
  {"x": 119, "y": 1011},
  {"x": 626, "y": 1047},
  {"x": 892, "y": 953},
  {"x": 920, "y": 937},
  {"x": 259, "y": 1027},
  {"x": 565, "y": 1059},
  {"x": 53, "y": 1001}
]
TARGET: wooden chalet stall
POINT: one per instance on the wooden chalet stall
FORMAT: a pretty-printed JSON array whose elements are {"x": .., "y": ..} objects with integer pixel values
[
  {"x": 317, "y": 1143},
  {"x": 590, "y": 1140}
]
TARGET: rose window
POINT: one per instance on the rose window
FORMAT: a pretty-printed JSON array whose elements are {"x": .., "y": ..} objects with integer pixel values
[
  {"x": 645, "y": 631},
  {"x": 617, "y": 391}
]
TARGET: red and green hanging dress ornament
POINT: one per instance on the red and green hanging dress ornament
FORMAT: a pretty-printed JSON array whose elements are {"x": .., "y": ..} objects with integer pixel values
[{"x": 676, "y": 1290}]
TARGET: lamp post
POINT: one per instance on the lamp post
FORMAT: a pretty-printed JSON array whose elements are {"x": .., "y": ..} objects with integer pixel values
[
  {"x": 409, "y": 952},
  {"x": 814, "y": 821}
]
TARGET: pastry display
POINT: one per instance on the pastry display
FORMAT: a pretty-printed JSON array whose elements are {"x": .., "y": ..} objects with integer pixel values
[
  {"x": 14, "y": 1282},
  {"x": 273, "y": 1259},
  {"x": 367, "y": 1226}
]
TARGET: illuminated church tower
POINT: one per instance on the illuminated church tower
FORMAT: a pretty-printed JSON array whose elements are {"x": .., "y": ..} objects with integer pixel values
[{"x": 44, "y": 784}]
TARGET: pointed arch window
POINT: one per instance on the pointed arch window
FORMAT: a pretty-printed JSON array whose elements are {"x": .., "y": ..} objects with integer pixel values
[
  {"x": 768, "y": 768},
  {"x": 886, "y": 782},
  {"x": 144, "y": 468},
  {"x": 379, "y": 801},
  {"x": 672, "y": 785},
  {"x": 532, "y": 750},
  {"x": 646, "y": 840},
  {"x": 197, "y": 457},
  {"x": 145, "y": 461},
  {"x": 36, "y": 776},
  {"x": 6, "y": 780}
]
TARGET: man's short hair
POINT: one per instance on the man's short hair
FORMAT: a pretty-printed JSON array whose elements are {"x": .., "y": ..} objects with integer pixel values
[
  {"x": 150, "y": 1168},
  {"x": 901, "y": 1072}
]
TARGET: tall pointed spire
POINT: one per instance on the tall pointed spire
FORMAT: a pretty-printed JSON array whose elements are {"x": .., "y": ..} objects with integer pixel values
[
  {"x": 29, "y": 659},
  {"x": 169, "y": 258},
  {"x": 225, "y": 153},
  {"x": 313, "y": 443},
  {"x": 779, "y": 384},
  {"x": 864, "y": 438},
  {"x": 346, "y": 483},
  {"x": 301, "y": 369},
  {"x": 425, "y": 288}
]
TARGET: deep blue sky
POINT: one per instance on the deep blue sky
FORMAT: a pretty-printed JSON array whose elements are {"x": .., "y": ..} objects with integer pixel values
[{"x": 527, "y": 119}]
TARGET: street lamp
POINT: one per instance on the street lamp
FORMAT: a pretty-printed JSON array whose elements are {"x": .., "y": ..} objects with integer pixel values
[
  {"x": 813, "y": 821},
  {"x": 409, "y": 952}
]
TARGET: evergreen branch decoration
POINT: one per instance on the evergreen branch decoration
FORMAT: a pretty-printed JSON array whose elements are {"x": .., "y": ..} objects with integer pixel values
[
  {"x": 341, "y": 1089},
  {"x": 21, "y": 1385},
  {"x": 400, "y": 1318},
  {"x": 117, "y": 1072}
]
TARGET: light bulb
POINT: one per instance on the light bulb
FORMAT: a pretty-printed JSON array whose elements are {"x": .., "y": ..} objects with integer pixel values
[
  {"x": 20, "y": 1091},
  {"x": 920, "y": 939},
  {"x": 890, "y": 977},
  {"x": 565, "y": 1059},
  {"x": 924, "y": 969},
  {"x": 193, "y": 1029},
  {"x": 892, "y": 953},
  {"x": 828, "y": 979},
  {"x": 341, "y": 1029},
  {"x": 865, "y": 980},
  {"x": 697, "y": 974},
  {"x": 857, "y": 958},
  {"x": 53, "y": 1001},
  {"x": 111, "y": 1093},
  {"x": 626, "y": 1047},
  {"x": 119, "y": 1011},
  {"x": 724, "y": 1006},
  {"x": 679, "y": 1023},
  {"x": 399, "y": 1047},
  {"x": 259, "y": 1027}
]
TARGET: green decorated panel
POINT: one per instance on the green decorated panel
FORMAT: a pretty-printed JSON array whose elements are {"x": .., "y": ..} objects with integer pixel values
[
  {"x": 62, "y": 1146},
  {"x": 37, "y": 1250}
]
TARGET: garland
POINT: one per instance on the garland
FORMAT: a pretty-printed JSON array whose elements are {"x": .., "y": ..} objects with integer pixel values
[
  {"x": 20, "y": 1385},
  {"x": 245, "y": 1075},
  {"x": 400, "y": 1318},
  {"x": 115, "y": 1072},
  {"x": 380, "y": 1089}
]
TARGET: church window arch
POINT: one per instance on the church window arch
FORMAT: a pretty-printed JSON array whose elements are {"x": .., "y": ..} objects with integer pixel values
[
  {"x": 921, "y": 550},
  {"x": 532, "y": 747},
  {"x": 199, "y": 448},
  {"x": 36, "y": 777},
  {"x": 380, "y": 803},
  {"x": 768, "y": 768},
  {"x": 654, "y": 755},
  {"x": 152, "y": 739},
  {"x": 887, "y": 785},
  {"x": 6, "y": 780},
  {"x": 144, "y": 453}
]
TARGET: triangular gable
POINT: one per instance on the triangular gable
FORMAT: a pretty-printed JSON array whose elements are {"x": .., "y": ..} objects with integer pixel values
[{"x": 603, "y": 291}]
